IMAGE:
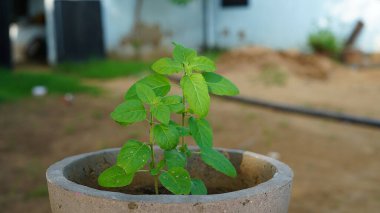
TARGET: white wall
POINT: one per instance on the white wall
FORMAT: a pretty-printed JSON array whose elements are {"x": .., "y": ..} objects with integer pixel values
[
  {"x": 117, "y": 20},
  {"x": 347, "y": 11},
  {"x": 286, "y": 24},
  {"x": 183, "y": 22},
  {"x": 280, "y": 24}
]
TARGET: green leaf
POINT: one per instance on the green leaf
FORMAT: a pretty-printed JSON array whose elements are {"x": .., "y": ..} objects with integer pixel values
[
  {"x": 129, "y": 112},
  {"x": 218, "y": 161},
  {"x": 114, "y": 176},
  {"x": 196, "y": 93},
  {"x": 174, "y": 102},
  {"x": 183, "y": 131},
  {"x": 166, "y": 136},
  {"x": 145, "y": 93},
  {"x": 201, "y": 131},
  {"x": 198, "y": 187},
  {"x": 158, "y": 83},
  {"x": 202, "y": 63},
  {"x": 219, "y": 85},
  {"x": 176, "y": 180},
  {"x": 133, "y": 156},
  {"x": 182, "y": 54},
  {"x": 167, "y": 66},
  {"x": 161, "y": 113},
  {"x": 174, "y": 158}
]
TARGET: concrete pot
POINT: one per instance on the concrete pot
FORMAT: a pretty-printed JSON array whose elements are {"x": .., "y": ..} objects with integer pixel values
[{"x": 263, "y": 185}]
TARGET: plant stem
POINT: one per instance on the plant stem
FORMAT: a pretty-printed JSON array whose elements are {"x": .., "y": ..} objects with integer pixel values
[
  {"x": 183, "y": 119},
  {"x": 153, "y": 163}
]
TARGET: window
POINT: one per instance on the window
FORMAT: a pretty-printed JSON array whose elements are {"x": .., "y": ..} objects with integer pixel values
[{"x": 234, "y": 3}]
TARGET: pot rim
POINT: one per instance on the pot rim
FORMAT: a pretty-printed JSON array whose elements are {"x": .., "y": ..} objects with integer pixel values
[{"x": 282, "y": 177}]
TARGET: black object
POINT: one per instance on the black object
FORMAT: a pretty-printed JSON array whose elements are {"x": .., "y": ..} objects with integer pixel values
[
  {"x": 348, "y": 45},
  {"x": 234, "y": 3},
  {"x": 36, "y": 50},
  {"x": 5, "y": 43},
  {"x": 302, "y": 110},
  {"x": 20, "y": 9},
  {"x": 79, "y": 30}
]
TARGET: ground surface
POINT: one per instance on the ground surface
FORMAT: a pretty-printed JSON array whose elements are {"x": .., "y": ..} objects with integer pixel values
[{"x": 336, "y": 165}]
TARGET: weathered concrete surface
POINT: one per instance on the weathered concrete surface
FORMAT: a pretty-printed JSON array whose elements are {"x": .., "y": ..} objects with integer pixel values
[{"x": 263, "y": 185}]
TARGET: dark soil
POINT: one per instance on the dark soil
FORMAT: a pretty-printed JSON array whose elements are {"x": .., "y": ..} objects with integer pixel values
[{"x": 149, "y": 190}]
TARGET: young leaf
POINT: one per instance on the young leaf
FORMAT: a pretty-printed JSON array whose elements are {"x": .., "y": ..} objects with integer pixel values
[
  {"x": 198, "y": 187},
  {"x": 161, "y": 113},
  {"x": 177, "y": 180},
  {"x": 182, "y": 54},
  {"x": 129, "y": 112},
  {"x": 174, "y": 158},
  {"x": 114, "y": 176},
  {"x": 201, "y": 131},
  {"x": 219, "y": 85},
  {"x": 167, "y": 66},
  {"x": 196, "y": 93},
  {"x": 145, "y": 93},
  {"x": 202, "y": 63},
  {"x": 218, "y": 161},
  {"x": 174, "y": 102},
  {"x": 159, "y": 83},
  {"x": 166, "y": 136},
  {"x": 133, "y": 156},
  {"x": 183, "y": 131}
]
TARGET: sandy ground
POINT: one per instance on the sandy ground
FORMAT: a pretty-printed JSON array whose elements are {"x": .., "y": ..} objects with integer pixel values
[
  {"x": 306, "y": 80},
  {"x": 336, "y": 165}
]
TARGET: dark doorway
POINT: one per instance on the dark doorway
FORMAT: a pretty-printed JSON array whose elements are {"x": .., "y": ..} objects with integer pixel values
[
  {"x": 79, "y": 31},
  {"x": 5, "y": 45}
]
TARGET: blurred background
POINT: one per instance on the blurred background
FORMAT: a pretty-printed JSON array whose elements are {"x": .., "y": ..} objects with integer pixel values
[{"x": 308, "y": 72}]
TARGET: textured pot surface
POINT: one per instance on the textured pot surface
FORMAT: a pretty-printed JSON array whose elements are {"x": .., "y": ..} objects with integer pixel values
[{"x": 263, "y": 185}]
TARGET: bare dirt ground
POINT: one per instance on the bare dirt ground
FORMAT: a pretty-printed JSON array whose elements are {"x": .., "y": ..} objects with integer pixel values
[
  {"x": 306, "y": 80},
  {"x": 336, "y": 165}
]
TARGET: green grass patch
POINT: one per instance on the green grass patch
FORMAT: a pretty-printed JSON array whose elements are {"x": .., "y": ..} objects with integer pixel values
[
  {"x": 273, "y": 75},
  {"x": 324, "y": 41},
  {"x": 37, "y": 192},
  {"x": 16, "y": 85},
  {"x": 104, "y": 69}
]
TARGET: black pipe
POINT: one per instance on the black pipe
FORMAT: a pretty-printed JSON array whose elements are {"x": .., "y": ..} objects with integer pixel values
[
  {"x": 305, "y": 111},
  {"x": 301, "y": 110}
]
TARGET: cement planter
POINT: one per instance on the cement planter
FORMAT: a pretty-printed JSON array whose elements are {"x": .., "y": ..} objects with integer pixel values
[{"x": 263, "y": 185}]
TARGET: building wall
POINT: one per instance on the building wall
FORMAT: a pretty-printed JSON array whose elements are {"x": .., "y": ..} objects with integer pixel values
[
  {"x": 287, "y": 24},
  {"x": 178, "y": 23},
  {"x": 117, "y": 21},
  {"x": 276, "y": 24}
]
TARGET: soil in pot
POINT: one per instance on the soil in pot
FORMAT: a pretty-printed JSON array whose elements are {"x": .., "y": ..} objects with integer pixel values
[{"x": 250, "y": 173}]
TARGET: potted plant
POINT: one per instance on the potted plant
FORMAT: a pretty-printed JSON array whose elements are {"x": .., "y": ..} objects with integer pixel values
[{"x": 164, "y": 174}]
